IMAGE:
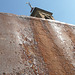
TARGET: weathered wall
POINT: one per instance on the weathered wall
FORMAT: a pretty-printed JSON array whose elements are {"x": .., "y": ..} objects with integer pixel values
[{"x": 32, "y": 46}]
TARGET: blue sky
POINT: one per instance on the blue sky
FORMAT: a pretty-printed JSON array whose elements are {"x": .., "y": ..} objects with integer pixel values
[{"x": 63, "y": 10}]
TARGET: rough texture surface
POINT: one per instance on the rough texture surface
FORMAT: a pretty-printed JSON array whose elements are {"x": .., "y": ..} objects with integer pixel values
[{"x": 33, "y": 46}]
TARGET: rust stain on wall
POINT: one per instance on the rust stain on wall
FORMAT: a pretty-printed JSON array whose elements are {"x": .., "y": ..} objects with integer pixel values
[{"x": 34, "y": 46}]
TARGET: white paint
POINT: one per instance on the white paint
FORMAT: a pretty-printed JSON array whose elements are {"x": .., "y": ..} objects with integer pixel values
[
  {"x": 55, "y": 21},
  {"x": 27, "y": 34},
  {"x": 34, "y": 61},
  {"x": 19, "y": 39},
  {"x": 63, "y": 41}
]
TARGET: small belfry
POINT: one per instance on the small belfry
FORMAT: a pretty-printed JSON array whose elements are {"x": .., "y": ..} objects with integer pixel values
[{"x": 40, "y": 13}]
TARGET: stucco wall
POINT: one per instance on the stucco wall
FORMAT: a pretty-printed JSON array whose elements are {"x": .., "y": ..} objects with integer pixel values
[{"x": 35, "y": 46}]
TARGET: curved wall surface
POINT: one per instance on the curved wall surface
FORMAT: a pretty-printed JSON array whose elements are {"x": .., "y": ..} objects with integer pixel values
[{"x": 35, "y": 46}]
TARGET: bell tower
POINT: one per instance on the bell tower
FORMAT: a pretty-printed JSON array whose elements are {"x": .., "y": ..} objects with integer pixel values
[{"x": 40, "y": 13}]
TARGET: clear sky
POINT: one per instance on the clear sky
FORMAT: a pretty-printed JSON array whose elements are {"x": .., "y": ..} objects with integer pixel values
[{"x": 63, "y": 10}]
